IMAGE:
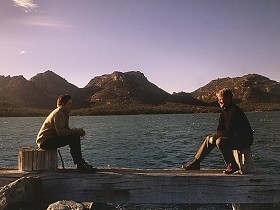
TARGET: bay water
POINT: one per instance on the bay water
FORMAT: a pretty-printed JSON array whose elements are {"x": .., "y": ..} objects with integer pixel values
[{"x": 147, "y": 141}]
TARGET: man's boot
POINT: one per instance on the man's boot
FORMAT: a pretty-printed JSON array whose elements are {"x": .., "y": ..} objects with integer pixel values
[{"x": 194, "y": 165}]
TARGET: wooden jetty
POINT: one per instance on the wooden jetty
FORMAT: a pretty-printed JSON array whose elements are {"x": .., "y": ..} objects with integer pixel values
[
  {"x": 146, "y": 186},
  {"x": 123, "y": 185}
]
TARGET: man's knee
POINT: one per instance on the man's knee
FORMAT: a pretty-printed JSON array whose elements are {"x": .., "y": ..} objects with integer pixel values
[
  {"x": 74, "y": 139},
  {"x": 209, "y": 140},
  {"x": 222, "y": 143}
]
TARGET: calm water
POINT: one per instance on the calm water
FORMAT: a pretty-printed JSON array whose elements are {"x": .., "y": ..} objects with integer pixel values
[{"x": 147, "y": 141}]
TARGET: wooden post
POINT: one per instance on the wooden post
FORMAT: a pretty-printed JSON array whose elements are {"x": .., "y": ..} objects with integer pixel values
[
  {"x": 246, "y": 166},
  {"x": 37, "y": 159},
  {"x": 244, "y": 160}
]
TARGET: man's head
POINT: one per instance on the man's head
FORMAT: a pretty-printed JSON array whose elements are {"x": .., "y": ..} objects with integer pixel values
[
  {"x": 224, "y": 98},
  {"x": 64, "y": 101}
]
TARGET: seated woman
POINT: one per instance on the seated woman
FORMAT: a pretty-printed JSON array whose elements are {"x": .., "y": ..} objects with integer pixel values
[{"x": 55, "y": 132}]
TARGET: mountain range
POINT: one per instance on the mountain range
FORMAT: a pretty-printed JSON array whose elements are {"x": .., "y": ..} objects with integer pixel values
[{"x": 130, "y": 90}]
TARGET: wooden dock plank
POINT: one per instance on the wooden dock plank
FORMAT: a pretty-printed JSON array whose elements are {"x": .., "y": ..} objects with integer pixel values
[
  {"x": 165, "y": 186},
  {"x": 118, "y": 185}
]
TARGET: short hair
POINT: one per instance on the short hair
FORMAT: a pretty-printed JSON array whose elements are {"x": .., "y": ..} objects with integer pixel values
[
  {"x": 62, "y": 99},
  {"x": 225, "y": 92}
]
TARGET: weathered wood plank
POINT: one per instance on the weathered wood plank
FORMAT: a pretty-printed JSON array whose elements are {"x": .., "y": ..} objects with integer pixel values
[
  {"x": 162, "y": 186},
  {"x": 117, "y": 185},
  {"x": 10, "y": 174}
]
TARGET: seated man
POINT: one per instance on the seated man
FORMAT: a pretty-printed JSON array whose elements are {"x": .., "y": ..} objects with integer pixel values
[
  {"x": 55, "y": 132},
  {"x": 233, "y": 132}
]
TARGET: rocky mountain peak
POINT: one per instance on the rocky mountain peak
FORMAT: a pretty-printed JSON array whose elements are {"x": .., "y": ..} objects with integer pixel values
[
  {"x": 48, "y": 76},
  {"x": 249, "y": 88},
  {"x": 126, "y": 86},
  {"x": 255, "y": 76},
  {"x": 53, "y": 84},
  {"x": 4, "y": 80},
  {"x": 118, "y": 77},
  {"x": 17, "y": 81}
]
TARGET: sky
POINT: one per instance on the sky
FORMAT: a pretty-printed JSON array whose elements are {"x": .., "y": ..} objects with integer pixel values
[{"x": 180, "y": 45}]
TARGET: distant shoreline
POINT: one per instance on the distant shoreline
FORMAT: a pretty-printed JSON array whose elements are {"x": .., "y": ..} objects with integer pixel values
[{"x": 139, "y": 109}]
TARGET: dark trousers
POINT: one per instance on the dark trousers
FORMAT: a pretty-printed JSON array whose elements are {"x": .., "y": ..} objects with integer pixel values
[
  {"x": 224, "y": 144},
  {"x": 74, "y": 142}
]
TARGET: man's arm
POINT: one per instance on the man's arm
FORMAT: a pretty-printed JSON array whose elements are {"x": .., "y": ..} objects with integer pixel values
[
  {"x": 221, "y": 129},
  {"x": 58, "y": 122}
]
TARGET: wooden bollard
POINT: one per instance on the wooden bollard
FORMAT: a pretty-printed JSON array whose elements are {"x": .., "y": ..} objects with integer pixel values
[
  {"x": 244, "y": 160},
  {"x": 37, "y": 159}
]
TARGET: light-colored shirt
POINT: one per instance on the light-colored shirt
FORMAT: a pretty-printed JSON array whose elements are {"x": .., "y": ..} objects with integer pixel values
[{"x": 56, "y": 124}]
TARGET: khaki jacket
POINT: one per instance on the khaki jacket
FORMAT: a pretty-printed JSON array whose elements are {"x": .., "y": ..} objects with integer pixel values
[{"x": 56, "y": 124}]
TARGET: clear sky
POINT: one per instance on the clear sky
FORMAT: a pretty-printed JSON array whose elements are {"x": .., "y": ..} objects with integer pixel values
[{"x": 180, "y": 45}]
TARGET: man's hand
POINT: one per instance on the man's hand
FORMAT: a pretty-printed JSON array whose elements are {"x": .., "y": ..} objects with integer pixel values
[{"x": 81, "y": 132}]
